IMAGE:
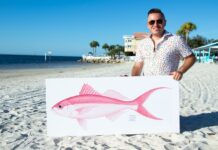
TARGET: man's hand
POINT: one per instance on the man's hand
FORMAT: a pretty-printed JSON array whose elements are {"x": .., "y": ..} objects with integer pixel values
[{"x": 177, "y": 75}]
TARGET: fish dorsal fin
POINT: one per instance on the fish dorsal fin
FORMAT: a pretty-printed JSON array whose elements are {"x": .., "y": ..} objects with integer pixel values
[
  {"x": 87, "y": 89},
  {"x": 114, "y": 94}
]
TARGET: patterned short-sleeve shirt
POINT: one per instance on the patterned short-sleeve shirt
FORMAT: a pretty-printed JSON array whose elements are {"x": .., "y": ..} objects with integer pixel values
[{"x": 165, "y": 57}]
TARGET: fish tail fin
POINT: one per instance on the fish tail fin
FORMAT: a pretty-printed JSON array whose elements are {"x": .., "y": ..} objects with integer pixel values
[
  {"x": 144, "y": 112},
  {"x": 141, "y": 99}
]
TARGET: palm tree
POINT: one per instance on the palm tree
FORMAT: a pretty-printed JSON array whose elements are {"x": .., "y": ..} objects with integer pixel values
[
  {"x": 111, "y": 51},
  {"x": 115, "y": 50},
  {"x": 181, "y": 33},
  {"x": 185, "y": 29},
  {"x": 93, "y": 45},
  {"x": 106, "y": 47},
  {"x": 119, "y": 50},
  {"x": 197, "y": 41}
]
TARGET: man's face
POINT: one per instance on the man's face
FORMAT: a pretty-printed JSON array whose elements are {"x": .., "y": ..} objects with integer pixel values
[{"x": 156, "y": 23}]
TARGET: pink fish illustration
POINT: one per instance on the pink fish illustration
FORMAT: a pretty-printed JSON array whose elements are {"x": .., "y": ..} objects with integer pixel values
[{"x": 91, "y": 104}]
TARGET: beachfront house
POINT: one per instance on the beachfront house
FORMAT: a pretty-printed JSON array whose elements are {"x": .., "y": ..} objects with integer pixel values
[
  {"x": 207, "y": 53},
  {"x": 129, "y": 43}
]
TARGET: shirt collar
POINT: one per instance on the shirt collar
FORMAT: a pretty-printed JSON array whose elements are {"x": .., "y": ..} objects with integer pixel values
[{"x": 166, "y": 33}]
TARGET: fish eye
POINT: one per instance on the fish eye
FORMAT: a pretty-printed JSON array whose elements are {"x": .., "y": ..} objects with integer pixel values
[{"x": 60, "y": 106}]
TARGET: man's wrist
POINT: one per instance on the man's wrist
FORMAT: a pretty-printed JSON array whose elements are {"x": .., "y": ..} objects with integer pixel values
[{"x": 179, "y": 72}]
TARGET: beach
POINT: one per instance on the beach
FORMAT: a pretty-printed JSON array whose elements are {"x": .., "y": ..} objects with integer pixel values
[{"x": 23, "y": 111}]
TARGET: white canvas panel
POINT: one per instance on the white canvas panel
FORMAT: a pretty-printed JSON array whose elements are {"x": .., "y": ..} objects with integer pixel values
[{"x": 112, "y": 105}]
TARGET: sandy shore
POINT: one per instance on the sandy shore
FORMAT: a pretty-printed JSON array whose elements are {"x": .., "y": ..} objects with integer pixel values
[{"x": 23, "y": 111}]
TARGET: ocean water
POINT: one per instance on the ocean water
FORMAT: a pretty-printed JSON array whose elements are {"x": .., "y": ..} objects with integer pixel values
[{"x": 37, "y": 61}]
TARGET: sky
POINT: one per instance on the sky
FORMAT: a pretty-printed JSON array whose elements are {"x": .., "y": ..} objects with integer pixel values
[{"x": 66, "y": 27}]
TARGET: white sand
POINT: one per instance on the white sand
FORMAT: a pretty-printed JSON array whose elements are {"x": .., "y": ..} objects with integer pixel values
[{"x": 23, "y": 111}]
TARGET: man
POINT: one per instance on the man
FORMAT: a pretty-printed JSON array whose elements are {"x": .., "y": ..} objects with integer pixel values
[{"x": 159, "y": 52}]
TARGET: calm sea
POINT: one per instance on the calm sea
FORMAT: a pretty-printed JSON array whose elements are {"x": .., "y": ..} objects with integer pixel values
[{"x": 36, "y": 61}]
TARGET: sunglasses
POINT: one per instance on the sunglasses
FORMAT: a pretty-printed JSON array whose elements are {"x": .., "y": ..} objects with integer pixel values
[{"x": 152, "y": 22}]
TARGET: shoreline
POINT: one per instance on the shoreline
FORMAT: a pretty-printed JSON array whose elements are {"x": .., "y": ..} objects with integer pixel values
[{"x": 81, "y": 69}]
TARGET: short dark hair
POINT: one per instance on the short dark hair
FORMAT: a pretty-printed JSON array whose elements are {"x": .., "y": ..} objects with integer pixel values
[{"x": 156, "y": 10}]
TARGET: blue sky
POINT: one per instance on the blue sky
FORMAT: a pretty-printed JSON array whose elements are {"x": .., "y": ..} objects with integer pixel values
[{"x": 68, "y": 26}]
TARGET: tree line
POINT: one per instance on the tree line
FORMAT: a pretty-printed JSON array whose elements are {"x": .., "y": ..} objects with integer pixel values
[
  {"x": 110, "y": 50},
  {"x": 195, "y": 41}
]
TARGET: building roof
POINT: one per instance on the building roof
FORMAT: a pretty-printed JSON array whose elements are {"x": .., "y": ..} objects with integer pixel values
[{"x": 212, "y": 46}]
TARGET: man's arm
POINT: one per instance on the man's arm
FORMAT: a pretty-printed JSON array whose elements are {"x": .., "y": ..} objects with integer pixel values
[
  {"x": 188, "y": 62},
  {"x": 137, "y": 68}
]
